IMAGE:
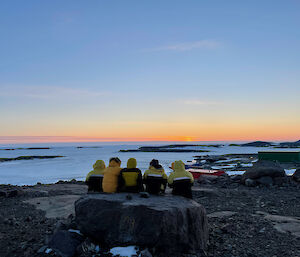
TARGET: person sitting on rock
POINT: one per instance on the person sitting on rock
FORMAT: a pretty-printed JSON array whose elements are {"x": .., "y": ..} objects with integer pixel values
[
  {"x": 111, "y": 174},
  {"x": 94, "y": 178},
  {"x": 155, "y": 178},
  {"x": 180, "y": 180},
  {"x": 130, "y": 179}
]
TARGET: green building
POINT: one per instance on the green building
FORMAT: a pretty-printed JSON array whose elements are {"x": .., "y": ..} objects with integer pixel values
[{"x": 280, "y": 156}]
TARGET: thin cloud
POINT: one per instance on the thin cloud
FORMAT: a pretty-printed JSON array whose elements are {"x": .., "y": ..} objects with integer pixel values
[
  {"x": 199, "y": 102},
  {"x": 188, "y": 46},
  {"x": 48, "y": 92}
]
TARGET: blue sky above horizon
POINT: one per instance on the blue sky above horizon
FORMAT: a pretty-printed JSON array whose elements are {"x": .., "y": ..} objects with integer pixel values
[{"x": 143, "y": 70}]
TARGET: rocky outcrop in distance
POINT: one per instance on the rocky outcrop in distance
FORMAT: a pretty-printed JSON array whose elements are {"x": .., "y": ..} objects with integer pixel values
[
  {"x": 169, "y": 148},
  {"x": 30, "y": 158},
  {"x": 28, "y": 148}
]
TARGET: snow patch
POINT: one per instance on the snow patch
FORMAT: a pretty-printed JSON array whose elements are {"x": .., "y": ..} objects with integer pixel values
[
  {"x": 124, "y": 251},
  {"x": 289, "y": 172}
]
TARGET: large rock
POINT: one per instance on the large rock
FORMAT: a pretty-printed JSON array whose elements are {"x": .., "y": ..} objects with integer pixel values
[
  {"x": 169, "y": 225},
  {"x": 65, "y": 243},
  {"x": 263, "y": 168}
]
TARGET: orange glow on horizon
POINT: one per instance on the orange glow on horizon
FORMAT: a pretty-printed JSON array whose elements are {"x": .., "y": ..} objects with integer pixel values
[{"x": 69, "y": 139}]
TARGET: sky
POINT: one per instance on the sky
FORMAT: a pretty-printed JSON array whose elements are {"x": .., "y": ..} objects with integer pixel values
[{"x": 149, "y": 70}]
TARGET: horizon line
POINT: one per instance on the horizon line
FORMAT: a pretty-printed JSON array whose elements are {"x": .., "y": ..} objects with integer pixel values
[{"x": 71, "y": 139}]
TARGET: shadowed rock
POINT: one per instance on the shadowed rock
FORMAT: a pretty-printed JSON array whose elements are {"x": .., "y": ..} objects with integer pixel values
[
  {"x": 264, "y": 169},
  {"x": 170, "y": 225},
  {"x": 296, "y": 175}
]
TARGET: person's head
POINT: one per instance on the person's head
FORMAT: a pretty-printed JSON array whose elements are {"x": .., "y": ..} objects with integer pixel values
[
  {"x": 114, "y": 161},
  {"x": 131, "y": 163},
  {"x": 154, "y": 163},
  {"x": 179, "y": 166},
  {"x": 100, "y": 165}
]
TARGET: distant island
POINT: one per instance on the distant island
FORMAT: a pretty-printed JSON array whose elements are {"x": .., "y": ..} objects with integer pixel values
[
  {"x": 29, "y": 158},
  {"x": 269, "y": 144},
  {"x": 168, "y": 149},
  {"x": 27, "y": 148},
  {"x": 259, "y": 144},
  {"x": 289, "y": 145},
  {"x": 79, "y": 147}
]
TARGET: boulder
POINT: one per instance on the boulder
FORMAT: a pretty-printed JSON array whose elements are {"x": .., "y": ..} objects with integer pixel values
[
  {"x": 169, "y": 225},
  {"x": 250, "y": 182},
  {"x": 296, "y": 175},
  {"x": 65, "y": 243},
  {"x": 263, "y": 168}
]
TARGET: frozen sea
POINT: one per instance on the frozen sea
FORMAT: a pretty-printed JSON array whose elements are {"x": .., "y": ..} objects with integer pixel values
[{"x": 77, "y": 162}]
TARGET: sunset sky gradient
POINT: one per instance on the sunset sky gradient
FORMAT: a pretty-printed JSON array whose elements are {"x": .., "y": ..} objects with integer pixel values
[{"x": 149, "y": 70}]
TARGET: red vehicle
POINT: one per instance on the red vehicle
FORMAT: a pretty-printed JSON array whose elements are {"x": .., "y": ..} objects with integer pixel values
[{"x": 198, "y": 172}]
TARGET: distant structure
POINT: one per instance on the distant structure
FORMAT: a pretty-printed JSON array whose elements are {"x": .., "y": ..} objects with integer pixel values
[{"x": 280, "y": 156}]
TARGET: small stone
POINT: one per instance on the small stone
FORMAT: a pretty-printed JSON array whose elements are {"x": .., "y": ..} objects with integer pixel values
[
  {"x": 48, "y": 250},
  {"x": 250, "y": 182},
  {"x": 128, "y": 197},
  {"x": 12, "y": 193},
  {"x": 262, "y": 230},
  {"x": 28, "y": 219},
  {"x": 144, "y": 194},
  {"x": 2, "y": 194},
  {"x": 145, "y": 253},
  {"x": 42, "y": 249}
]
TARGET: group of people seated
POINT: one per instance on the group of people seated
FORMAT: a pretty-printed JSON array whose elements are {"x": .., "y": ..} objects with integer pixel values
[{"x": 113, "y": 179}]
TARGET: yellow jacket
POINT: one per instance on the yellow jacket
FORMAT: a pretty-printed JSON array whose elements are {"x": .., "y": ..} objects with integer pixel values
[
  {"x": 110, "y": 179},
  {"x": 179, "y": 173},
  {"x": 130, "y": 179},
  {"x": 99, "y": 167},
  {"x": 155, "y": 172}
]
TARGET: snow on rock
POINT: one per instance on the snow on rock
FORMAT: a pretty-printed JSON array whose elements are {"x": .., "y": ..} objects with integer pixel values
[{"x": 123, "y": 251}]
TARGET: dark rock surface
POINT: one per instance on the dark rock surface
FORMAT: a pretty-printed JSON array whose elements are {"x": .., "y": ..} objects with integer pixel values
[
  {"x": 243, "y": 221},
  {"x": 170, "y": 225},
  {"x": 296, "y": 175},
  {"x": 30, "y": 158},
  {"x": 265, "y": 180},
  {"x": 264, "y": 168},
  {"x": 290, "y": 144},
  {"x": 258, "y": 144},
  {"x": 65, "y": 243},
  {"x": 250, "y": 182}
]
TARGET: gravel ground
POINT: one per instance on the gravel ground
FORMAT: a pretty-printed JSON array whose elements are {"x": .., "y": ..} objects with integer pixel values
[
  {"x": 244, "y": 232},
  {"x": 247, "y": 232}
]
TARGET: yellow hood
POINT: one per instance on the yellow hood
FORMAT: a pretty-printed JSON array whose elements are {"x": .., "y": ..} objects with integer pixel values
[
  {"x": 131, "y": 163},
  {"x": 99, "y": 165},
  {"x": 179, "y": 166}
]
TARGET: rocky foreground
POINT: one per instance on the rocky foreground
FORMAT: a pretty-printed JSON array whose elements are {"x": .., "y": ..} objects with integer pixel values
[{"x": 261, "y": 219}]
